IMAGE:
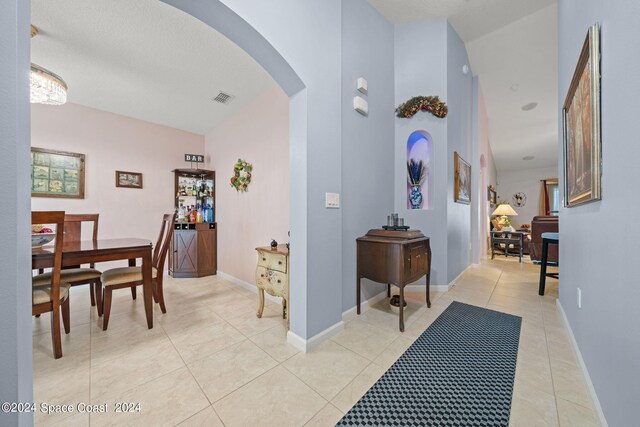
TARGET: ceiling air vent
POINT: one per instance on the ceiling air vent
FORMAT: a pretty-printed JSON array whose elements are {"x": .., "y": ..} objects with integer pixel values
[{"x": 223, "y": 98}]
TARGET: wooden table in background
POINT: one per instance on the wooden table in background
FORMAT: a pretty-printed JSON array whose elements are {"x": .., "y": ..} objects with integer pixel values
[
  {"x": 501, "y": 240},
  {"x": 102, "y": 250},
  {"x": 395, "y": 258}
]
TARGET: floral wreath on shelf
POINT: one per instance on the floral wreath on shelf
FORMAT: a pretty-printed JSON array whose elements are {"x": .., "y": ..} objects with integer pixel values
[
  {"x": 241, "y": 175},
  {"x": 429, "y": 104}
]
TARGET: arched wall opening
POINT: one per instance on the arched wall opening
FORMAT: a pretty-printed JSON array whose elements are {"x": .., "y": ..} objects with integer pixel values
[{"x": 224, "y": 20}]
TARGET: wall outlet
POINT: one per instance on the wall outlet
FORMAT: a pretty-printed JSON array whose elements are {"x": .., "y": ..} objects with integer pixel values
[
  {"x": 332, "y": 200},
  {"x": 579, "y": 298}
]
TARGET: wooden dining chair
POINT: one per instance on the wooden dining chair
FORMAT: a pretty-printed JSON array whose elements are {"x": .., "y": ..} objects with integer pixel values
[
  {"x": 53, "y": 296},
  {"x": 78, "y": 275},
  {"x": 130, "y": 277}
]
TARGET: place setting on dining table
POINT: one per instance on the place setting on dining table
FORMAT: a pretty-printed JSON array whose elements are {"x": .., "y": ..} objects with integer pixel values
[{"x": 69, "y": 260}]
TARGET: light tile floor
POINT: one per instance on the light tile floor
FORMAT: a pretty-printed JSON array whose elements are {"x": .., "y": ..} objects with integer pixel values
[{"x": 210, "y": 362}]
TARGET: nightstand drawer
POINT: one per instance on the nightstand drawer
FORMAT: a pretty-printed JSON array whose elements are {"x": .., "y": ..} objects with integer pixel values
[
  {"x": 273, "y": 282},
  {"x": 272, "y": 261}
]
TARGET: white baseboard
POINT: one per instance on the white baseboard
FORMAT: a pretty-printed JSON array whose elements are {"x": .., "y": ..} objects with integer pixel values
[
  {"x": 583, "y": 366},
  {"x": 248, "y": 286},
  {"x": 293, "y": 339},
  {"x": 453, "y": 282},
  {"x": 313, "y": 342},
  {"x": 364, "y": 306}
]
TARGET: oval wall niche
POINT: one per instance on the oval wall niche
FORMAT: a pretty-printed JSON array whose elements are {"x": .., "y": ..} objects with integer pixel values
[{"x": 419, "y": 164}]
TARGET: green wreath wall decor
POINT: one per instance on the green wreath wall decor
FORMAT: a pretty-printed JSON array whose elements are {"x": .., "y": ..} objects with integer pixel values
[
  {"x": 429, "y": 104},
  {"x": 241, "y": 175}
]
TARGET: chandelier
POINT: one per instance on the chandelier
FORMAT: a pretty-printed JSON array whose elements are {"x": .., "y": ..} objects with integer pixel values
[{"x": 45, "y": 86}]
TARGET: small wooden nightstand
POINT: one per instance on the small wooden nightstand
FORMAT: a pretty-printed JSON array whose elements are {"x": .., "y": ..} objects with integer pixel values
[{"x": 272, "y": 275}]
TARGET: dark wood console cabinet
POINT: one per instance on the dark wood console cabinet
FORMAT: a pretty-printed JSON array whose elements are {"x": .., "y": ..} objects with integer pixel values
[
  {"x": 395, "y": 258},
  {"x": 194, "y": 245}
]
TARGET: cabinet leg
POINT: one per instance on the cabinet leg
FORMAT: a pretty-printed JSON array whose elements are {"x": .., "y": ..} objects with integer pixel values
[
  {"x": 358, "y": 294},
  {"x": 261, "y": 303},
  {"x": 428, "y": 286},
  {"x": 401, "y": 308},
  {"x": 284, "y": 308},
  {"x": 388, "y": 290}
]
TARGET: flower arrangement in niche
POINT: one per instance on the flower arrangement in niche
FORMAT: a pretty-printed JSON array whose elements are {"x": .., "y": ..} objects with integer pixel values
[
  {"x": 241, "y": 175},
  {"x": 428, "y": 104},
  {"x": 416, "y": 174}
]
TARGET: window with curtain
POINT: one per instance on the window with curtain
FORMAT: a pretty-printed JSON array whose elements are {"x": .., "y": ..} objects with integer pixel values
[
  {"x": 554, "y": 199},
  {"x": 549, "y": 197}
]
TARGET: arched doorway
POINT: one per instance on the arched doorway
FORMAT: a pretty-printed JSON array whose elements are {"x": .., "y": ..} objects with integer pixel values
[{"x": 229, "y": 23}]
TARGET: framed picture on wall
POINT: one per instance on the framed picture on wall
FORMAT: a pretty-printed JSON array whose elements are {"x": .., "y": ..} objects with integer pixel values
[
  {"x": 462, "y": 180},
  {"x": 57, "y": 174},
  {"x": 492, "y": 197},
  {"x": 581, "y": 126},
  {"x": 128, "y": 179}
]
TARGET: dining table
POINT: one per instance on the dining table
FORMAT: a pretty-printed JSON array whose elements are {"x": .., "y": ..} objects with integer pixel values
[{"x": 102, "y": 250}]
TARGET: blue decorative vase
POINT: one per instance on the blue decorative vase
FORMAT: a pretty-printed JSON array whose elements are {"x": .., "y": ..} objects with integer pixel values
[{"x": 415, "y": 197}]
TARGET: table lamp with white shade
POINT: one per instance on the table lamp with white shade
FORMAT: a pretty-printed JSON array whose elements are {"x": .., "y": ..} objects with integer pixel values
[{"x": 504, "y": 211}]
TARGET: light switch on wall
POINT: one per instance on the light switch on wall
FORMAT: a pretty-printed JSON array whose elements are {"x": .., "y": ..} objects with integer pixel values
[{"x": 332, "y": 200}]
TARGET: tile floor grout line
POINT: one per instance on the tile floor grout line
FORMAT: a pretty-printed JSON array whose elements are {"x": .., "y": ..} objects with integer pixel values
[
  {"x": 313, "y": 388},
  {"x": 553, "y": 385},
  {"x": 90, "y": 354},
  {"x": 188, "y": 368},
  {"x": 495, "y": 285}
]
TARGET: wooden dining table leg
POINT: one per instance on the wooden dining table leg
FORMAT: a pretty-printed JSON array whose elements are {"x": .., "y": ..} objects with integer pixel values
[{"x": 147, "y": 287}]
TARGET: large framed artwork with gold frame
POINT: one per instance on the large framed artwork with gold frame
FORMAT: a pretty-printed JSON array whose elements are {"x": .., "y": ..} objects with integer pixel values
[
  {"x": 57, "y": 174},
  {"x": 581, "y": 127}
]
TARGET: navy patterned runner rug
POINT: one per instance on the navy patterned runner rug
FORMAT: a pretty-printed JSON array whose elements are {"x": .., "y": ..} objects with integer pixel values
[{"x": 459, "y": 372}]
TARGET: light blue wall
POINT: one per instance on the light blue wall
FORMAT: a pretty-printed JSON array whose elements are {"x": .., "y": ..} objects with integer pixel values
[
  {"x": 598, "y": 249},
  {"x": 460, "y": 102},
  {"x": 301, "y": 41},
  {"x": 367, "y": 142},
  {"x": 15, "y": 287},
  {"x": 428, "y": 61},
  {"x": 421, "y": 69}
]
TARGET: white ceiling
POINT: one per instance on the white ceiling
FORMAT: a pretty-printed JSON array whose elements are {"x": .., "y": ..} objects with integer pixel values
[
  {"x": 470, "y": 18},
  {"x": 524, "y": 55},
  {"x": 510, "y": 42},
  {"x": 148, "y": 60},
  {"x": 144, "y": 59}
]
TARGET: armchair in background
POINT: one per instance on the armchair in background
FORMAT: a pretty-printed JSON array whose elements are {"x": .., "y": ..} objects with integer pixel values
[{"x": 539, "y": 225}]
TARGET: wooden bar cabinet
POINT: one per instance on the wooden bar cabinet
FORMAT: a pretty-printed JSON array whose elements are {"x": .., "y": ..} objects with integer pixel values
[{"x": 194, "y": 245}]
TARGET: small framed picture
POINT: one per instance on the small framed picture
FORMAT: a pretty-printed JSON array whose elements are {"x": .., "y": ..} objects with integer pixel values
[
  {"x": 492, "y": 197},
  {"x": 462, "y": 180},
  {"x": 128, "y": 179}
]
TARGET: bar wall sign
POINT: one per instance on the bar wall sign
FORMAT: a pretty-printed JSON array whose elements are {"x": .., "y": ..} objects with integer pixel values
[{"x": 198, "y": 158}]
